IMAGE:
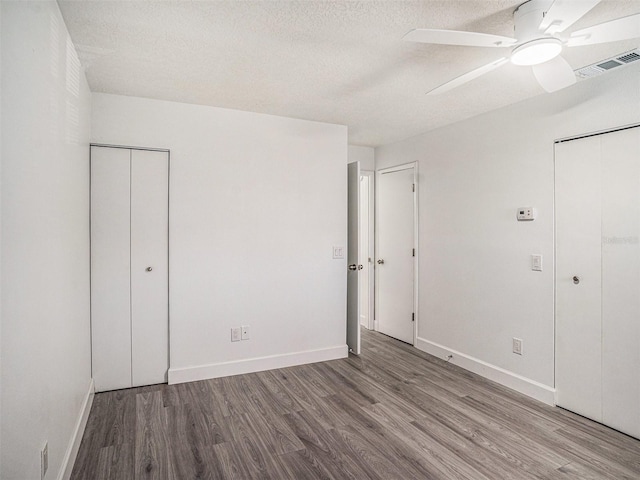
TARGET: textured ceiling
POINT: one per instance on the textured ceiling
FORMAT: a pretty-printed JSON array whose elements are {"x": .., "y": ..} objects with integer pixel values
[{"x": 332, "y": 61}]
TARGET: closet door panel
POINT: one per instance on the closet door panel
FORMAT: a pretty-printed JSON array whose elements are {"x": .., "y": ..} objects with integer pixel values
[
  {"x": 621, "y": 280},
  {"x": 578, "y": 200},
  {"x": 110, "y": 268},
  {"x": 149, "y": 266}
]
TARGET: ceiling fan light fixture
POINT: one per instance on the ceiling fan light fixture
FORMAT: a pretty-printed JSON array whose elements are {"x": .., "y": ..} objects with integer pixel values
[{"x": 536, "y": 52}]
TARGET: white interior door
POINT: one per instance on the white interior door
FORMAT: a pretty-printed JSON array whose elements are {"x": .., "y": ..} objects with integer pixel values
[
  {"x": 149, "y": 267},
  {"x": 395, "y": 243},
  {"x": 598, "y": 242},
  {"x": 110, "y": 268},
  {"x": 353, "y": 244}
]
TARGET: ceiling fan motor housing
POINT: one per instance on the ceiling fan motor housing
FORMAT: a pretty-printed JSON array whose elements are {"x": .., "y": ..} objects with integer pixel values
[{"x": 527, "y": 18}]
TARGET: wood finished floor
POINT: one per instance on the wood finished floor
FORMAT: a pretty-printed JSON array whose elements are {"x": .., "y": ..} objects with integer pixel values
[{"x": 392, "y": 413}]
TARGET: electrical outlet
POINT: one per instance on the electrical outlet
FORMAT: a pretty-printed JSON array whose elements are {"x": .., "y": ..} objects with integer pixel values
[
  {"x": 517, "y": 346},
  {"x": 235, "y": 334},
  {"x": 245, "y": 332},
  {"x": 44, "y": 460}
]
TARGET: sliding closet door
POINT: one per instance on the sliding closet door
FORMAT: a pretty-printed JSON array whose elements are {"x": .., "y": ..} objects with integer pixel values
[
  {"x": 149, "y": 266},
  {"x": 110, "y": 268}
]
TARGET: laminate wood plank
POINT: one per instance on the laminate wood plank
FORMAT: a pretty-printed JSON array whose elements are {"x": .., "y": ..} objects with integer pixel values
[
  {"x": 280, "y": 398},
  {"x": 261, "y": 460},
  {"x": 91, "y": 445},
  {"x": 321, "y": 446},
  {"x": 501, "y": 427},
  {"x": 303, "y": 464},
  {"x": 115, "y": 462},
  {"x": 151, "y": 447},
  {"x": 231, "y": 463},
  {"x": 486, "y": 458},
  {"x": 191, "y": 438},
  {"x": 441, "y": 459},
  {"x": 407, "y": 459},
  {"x": 387, "y": 393},
  {"x": 375, "y": 462},
  {"x": 577, "y": 471},
  {"x": 356, "y": 392},
  {"x": 312, "y": 380},
  {"x": 120, "y": 419}
]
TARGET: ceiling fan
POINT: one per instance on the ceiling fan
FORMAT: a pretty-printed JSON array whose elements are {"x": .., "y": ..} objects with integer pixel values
[{"x": 538, "y": 28}]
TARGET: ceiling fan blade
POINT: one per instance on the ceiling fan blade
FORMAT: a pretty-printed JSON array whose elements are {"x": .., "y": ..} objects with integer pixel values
[
  {"x": 467, "y": 77},
  {"x": 564, "y": 13},
  {"x": 620, "y": 29},
  {"x": 456, "y": 37},
  {"x": 554, "y": 75}
]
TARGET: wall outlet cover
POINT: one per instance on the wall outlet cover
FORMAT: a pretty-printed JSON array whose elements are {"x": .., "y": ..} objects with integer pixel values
[
  {"x": 236, "y": 334},
  {"x": 245, "y": 332}
]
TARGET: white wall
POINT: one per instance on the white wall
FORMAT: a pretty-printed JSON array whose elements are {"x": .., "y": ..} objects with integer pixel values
[
  {"x": 45, "y": 240},
  {"x": 476, "y": 287},
  {"x": 256, "y": 204},
  {"x": 364, "y": 155}
]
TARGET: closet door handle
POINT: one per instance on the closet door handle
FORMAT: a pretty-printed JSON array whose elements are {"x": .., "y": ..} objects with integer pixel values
[{"x": 148, "y": 269}]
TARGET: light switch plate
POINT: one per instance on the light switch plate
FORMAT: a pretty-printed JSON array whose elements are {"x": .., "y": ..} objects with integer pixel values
[
  {"x": 338, "y": 252},
  {"x": 536, "y": 263},
  {"x": 236, "y": 333}
]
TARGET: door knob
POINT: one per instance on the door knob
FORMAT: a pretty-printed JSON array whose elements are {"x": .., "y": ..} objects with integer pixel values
[
  {"x": 360, "y": 267},
  {"x": 380, "y": 262},
  {"x": 353, "y": 266},
  {"x": 576, "y": 279},
  {"x": 148, "y": 269}
]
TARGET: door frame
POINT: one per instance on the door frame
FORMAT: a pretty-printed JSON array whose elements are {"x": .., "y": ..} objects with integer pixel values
[
  {"x": 382, "y": 171},
  {"x": 168, "y": 152},
  {"x": 371, "y": 280}
]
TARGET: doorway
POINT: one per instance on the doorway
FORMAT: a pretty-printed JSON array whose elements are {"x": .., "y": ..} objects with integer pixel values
[
  {"x": 395, "y": 246},
  {"x": 366, "y": 250}
]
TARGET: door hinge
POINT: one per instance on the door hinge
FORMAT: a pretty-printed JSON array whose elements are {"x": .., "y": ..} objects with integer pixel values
[
  {"x": 413, "y": 253},
  {"x": 413, "y": 187},
  {"x": 413, "y": 317}
]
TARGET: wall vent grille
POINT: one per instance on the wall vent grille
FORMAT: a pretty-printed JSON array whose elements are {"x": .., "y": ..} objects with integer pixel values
[{"x": 608, "y": 64}]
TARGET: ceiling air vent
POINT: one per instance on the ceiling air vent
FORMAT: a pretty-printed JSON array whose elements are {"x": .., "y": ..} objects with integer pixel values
[{"x": 608, "y": 64}]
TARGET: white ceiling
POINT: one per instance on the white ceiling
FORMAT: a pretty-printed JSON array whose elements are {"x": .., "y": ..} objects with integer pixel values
[{"x": 332, "y": 61}]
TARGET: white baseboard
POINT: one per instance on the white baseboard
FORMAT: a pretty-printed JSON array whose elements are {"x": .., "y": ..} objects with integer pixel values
[
  {"x": 521, "y": 384},
  {"x": 250, "y": 365},
  {"x": 74, "y": 445}
]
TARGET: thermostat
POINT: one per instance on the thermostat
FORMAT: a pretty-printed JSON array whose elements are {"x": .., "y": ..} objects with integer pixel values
[{"x": 526, "y": 214}]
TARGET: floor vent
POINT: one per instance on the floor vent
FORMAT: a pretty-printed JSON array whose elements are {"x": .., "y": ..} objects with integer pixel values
[{"x": 608, "y": 64}]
